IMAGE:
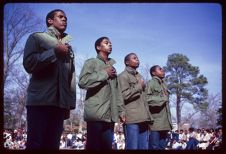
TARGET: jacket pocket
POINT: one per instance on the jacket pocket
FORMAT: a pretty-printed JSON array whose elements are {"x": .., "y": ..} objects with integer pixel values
[
  {"x": 132, "y": 105},
  {"x": 158, "y": 91}
]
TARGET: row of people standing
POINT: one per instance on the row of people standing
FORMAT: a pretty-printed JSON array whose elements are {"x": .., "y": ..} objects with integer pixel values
[
  {"x": 109, "y": 98},
  {"x": 126, "y": 98}
]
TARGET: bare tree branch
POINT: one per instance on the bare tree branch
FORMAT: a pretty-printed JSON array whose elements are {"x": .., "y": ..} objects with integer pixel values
[{"x": 19, "y": 22}]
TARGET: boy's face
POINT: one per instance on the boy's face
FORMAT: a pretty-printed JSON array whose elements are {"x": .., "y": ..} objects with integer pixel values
[
  {"x": 59, "y": 21},
  {"x": 159, "y": 72},
  {"x": 105, "y": 46},
  {"x": 133, "y": 61}
]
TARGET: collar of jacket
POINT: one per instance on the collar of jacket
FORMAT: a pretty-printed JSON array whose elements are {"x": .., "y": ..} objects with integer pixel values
[
  {"x": 54, "y": 32},
  {"x": 112, "y": 61},
  {"x": 159, "y": 80},
  {"x": 131, "y": 70}
]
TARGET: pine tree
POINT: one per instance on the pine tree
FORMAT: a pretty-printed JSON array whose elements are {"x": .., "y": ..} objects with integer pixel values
[{"x": 185, "y": 83}]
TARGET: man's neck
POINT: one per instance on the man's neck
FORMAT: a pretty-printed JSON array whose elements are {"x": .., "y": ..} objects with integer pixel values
[
  {"x": 59, "y": 34},
  {"x": 160, "y": 79},
  {"x": 104, "y": 56},
  {"x": 133, "y": 68}
]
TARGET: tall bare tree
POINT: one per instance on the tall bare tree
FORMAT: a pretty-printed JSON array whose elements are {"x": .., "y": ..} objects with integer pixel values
[
  {"x": 19, "y": 22},
  {"x": 211, "y": 114},
  {"x": 81, "y": 93},
  {"x": 21, "y": 79},
  {"x": 206, "y": 115},
  {"x": 145, "y": 71},
  {"x": 76, "y": 116}
]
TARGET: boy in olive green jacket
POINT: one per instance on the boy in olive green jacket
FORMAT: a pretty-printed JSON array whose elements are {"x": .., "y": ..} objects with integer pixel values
[
  {"x": 103, "y": 104},
  {"x": 158, "y": 100},
  {"x": 137, "y": 115}
]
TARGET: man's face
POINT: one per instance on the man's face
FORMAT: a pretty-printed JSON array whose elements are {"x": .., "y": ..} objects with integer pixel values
[
  {"x": 133, "y": 61},
  {"x": 105, "y": 46},
  {"x": 59, "y": 21},
  {"x": 159, "y": 72}
]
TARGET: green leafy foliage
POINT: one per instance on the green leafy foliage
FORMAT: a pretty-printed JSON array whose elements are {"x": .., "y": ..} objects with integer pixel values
[{"x": 185, "y": 82}]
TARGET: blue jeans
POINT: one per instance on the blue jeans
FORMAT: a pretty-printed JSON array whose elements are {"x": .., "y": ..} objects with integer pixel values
[
  {"x": 99, "y": 135},
  {"x": 157, "y": 140},
  {"x": 44, "y": 127},
  {"x": 136, "y": 136}
]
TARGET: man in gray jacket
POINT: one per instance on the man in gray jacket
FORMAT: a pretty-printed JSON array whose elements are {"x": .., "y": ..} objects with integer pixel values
[
  {"x": 137, "y": 115},
  {"x": 51, "y": 93}
]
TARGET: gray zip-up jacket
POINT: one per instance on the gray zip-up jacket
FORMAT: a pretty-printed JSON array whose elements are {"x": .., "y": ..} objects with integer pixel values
[{"x": 136, "y": 107}]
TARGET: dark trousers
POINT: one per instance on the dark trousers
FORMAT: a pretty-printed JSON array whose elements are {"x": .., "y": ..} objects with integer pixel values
[
  {"x": 99, "y": 135},
  {"x": 157, "y": 140},
  {"x": 44, "y": 127}
]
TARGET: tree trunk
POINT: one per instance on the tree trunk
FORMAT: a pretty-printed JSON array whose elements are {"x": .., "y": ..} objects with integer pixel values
[
  {"x": 19, "y": 112},
  {"x": 178, "y": 111},
  {"x": 80, "y": 125}
]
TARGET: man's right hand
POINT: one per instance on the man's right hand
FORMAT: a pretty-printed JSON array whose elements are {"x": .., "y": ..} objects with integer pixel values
[
  {"x": 142, "y": 83},
  {"x": 111, "y": 72},
  {"x": 122, "y": 119},
  {"x": 62, "y": 49}
]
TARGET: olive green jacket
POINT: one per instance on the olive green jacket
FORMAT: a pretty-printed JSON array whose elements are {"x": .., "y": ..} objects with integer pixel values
[
  {"x": 103, "y": 101},
  {"x": 52, "y": 81},
  {"x": 136, "y": 108},
  {"x": 159, "y": 104}
]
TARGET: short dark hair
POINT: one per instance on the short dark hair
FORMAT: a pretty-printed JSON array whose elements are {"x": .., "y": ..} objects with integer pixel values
[
  {"x": 152, "y": 69},
  {"x": 98, "y": 41},
  {"x": 51, "y": 14},
  {"x": 127, "y": 57},
  {"x": 191, "y": 129}
]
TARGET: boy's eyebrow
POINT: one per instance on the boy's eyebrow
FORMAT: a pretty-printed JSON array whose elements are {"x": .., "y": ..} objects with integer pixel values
[
  {"x": 61, "y": 16},
  {"x": 106, "y": 41}
]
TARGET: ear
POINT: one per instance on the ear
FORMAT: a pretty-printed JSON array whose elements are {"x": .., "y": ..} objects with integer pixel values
[
  {"x": 98, "y": 48},
  {"x": 154, "y": 73},
  {"x": 127, "y": 63},
  {"x": 50, "y": 21}
]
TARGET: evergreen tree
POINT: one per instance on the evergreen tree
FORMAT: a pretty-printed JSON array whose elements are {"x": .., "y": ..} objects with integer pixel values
[{"x": 185, "y": 83}]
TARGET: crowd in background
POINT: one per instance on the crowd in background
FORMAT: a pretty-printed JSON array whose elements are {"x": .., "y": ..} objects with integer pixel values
[
  {"x": 191, "y": 139},
  {"x": 195, "y": 139},
  {"x": 71, "y": 140},
  {"x": 15, "y": 139}
]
